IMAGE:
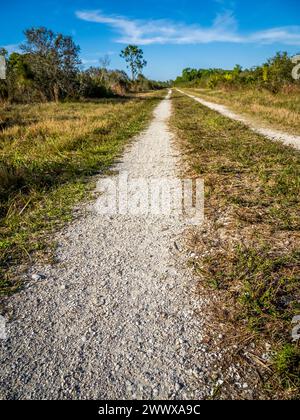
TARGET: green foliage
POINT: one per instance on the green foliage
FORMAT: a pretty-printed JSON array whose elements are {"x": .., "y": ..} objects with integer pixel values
[
  {"x": 279, "y": 71},
  {"x": 53, "y": 59},
  {"x": 20, "y": 79}
]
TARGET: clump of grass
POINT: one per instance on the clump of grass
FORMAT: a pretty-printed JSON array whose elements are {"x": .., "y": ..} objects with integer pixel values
[
  {"x": 250, "y": 251},
  {"x": 264, "y": 283},
  {"x": 287, "y": 364},
  {"x": 270, "y": 288},
  {"x": 47, "y": 154}
]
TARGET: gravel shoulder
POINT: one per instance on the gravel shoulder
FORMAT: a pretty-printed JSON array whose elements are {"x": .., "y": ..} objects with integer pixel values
[
  {"x": 118, "y": 316},
  {"x": 286, "y": 138}
]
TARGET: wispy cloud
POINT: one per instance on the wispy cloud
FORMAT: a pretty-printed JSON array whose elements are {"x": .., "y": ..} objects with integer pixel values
[
  {"x": 163, "y": 31},
  {"x": 289, "y": 35}
]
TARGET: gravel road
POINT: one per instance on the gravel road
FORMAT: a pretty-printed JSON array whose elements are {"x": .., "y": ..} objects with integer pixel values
[
  {"x": 117, "y": 317},
  {"x": 288, "y": 139}
]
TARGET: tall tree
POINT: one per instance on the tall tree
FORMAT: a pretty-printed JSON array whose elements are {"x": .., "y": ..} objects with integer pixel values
[
  {"x": 54, "y": 60},
  {"x": 134, "y": 58}
]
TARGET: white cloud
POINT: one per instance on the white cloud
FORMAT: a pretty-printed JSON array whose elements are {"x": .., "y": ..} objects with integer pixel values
[{"x": 163, "y": 31}]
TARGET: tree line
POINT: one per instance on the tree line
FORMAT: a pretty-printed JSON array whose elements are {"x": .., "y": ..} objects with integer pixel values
[
  {"x": 48, "y": 68},
  {"x": 275, "y": 75}
]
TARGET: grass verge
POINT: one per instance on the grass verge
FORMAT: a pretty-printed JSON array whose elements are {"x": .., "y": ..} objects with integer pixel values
[
  {"x": 280, "y": 111},
  {"x": 248, "y": 248},
  {"x": 47, "y": 154}
]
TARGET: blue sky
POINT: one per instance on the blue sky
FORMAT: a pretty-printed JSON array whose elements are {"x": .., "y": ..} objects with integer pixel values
[{"x": 174, "y": 34}]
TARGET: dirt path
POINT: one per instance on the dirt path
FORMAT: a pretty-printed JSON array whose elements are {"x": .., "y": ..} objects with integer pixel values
[
  {"x": 117, "y": 316},
  {"x": 267, "y": 132}
]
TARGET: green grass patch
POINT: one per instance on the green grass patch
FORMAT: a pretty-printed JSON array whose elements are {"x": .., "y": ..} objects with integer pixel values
[{"x": 287, "y": 364}]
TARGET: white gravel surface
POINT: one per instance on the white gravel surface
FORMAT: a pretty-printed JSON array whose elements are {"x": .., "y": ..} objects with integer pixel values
[
  {"x": 288, "y": 139},
  {"x": 118, "y": 316}
]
